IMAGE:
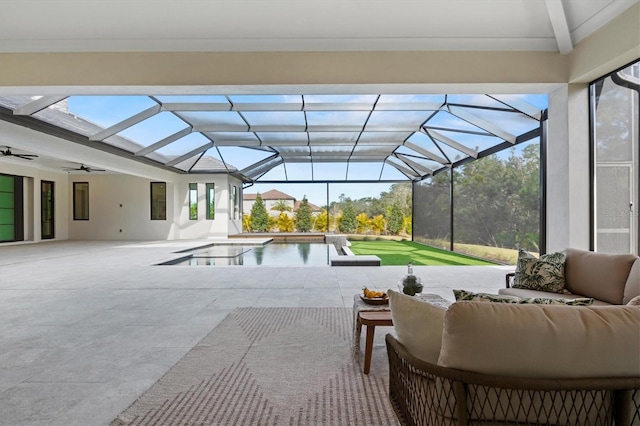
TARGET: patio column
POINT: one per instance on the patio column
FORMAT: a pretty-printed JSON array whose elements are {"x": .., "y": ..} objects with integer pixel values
[{"x": 568, "y": 162}]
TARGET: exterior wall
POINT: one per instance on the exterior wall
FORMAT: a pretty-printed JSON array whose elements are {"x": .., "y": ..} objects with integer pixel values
[
  {"x": 119, "y": 209},
  {"x": 247, "y": 205},
  {"x": 108, "y": 192},
  {"x": 223, "y": 223}
]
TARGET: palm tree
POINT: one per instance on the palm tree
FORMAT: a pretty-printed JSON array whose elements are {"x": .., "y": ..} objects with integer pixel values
[{"x": 281, "y": 206}]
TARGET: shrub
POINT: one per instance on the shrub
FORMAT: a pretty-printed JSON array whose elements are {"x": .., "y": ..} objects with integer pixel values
[
  {"x": 303, "y": 216},
  {"x": 259, "y": 216},
  {"x": 285, "y": 223}
]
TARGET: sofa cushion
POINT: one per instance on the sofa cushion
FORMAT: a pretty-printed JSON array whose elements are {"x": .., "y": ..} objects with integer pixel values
[
  {"x": 524, "y": 293},
  {"x": 418, "y": 325},
  {"x": 544, "y": 341},
  {"x": 544, "y": 274},
  {"x": 632, "y": 287},
  {"x": 598, "y": 275},
  {"x": 488, "y": 297},
  {"x": 634, "y": 302}
]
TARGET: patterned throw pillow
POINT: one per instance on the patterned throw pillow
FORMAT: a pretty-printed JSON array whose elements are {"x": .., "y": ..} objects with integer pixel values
[
  {"x": 497, "y": 298},
  {"x": 542, "y": 274}
]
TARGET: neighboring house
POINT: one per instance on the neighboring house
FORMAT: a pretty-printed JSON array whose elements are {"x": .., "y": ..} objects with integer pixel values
[
  {"x": 273, "y": 198},
  {"x": 315, "y": 210}
]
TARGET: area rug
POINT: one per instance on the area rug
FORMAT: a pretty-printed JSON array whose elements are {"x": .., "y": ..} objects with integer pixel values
[{"x": 271, "y": 366}]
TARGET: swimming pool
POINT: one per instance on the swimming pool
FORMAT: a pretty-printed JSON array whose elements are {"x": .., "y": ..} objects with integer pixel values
[{"x": 272, "y": 254}]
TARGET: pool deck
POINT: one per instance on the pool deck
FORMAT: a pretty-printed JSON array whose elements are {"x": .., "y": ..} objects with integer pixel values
[{"x": 87, "y": 326}]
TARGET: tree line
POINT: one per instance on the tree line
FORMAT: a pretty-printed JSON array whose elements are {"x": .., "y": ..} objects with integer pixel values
[
  {"x": 390, "y": 213},
  {"x": 496, "y": 203}
]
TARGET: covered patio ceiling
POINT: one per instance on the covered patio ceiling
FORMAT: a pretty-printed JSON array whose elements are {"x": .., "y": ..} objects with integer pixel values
[{"x": 290, "y": 138}]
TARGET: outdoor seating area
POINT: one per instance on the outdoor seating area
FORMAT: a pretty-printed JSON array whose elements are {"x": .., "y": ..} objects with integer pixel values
[{"x": 546, "y": 357}]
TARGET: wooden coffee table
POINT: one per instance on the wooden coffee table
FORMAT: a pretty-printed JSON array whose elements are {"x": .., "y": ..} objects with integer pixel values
[
  {"x": 372, "y": 319},
  {"x": 380, "y": 316}
]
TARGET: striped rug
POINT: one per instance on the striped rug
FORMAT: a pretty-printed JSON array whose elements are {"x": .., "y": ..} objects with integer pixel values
[{"x": 271, "y": 366}]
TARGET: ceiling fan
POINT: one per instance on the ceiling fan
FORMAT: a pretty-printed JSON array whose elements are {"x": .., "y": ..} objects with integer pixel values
[
  {"x": 7, "y": 153},
  {"x": 84, "y": 168}
]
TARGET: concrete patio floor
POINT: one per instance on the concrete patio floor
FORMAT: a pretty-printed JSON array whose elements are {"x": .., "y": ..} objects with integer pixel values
[{"x": 87, "y": 326}]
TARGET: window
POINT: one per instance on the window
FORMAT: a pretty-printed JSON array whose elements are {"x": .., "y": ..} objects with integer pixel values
[
  {"x": 616, "y": 161},
  {"x": 211, "y": 203},
  {"x": 233, "y": 202},
  {"x": 158, "y": 201},
  {"x": 193, "y": 201},
  {"x": 80, "y": 200}
]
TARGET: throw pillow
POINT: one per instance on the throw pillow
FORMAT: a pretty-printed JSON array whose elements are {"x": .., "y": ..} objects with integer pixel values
[
  {"x": 545, "y": 273},
  {"x": 418, "y": 325},
  {"x": 634, "y": 302},
  {"x": 496, "y": 298}
]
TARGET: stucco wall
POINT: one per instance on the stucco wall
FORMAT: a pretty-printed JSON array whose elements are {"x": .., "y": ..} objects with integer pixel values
[{"x": 119, "y": 209}]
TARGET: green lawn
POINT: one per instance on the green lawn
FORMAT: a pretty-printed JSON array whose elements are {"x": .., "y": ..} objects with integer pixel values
[{"x": 402, "y": 252}]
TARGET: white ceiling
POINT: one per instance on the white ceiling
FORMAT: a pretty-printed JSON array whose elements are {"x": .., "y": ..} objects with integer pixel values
[{"x": 300, "y": 25}]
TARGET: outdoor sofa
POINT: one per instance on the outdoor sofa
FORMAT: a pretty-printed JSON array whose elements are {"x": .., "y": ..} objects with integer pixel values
[
  {"x": 481, "y": 363},
  {"x": 610, "y": 279}
]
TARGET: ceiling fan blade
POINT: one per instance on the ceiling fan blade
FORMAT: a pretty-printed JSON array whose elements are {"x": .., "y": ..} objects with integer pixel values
[{"x": 25, "y": 156}]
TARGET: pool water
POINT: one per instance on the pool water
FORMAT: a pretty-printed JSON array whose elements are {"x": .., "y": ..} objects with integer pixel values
[{"x": 272, "y": 254}]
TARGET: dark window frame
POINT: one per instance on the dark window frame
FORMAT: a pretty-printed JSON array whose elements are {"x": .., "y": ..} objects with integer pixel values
[
  {"x": 193, "y": 189},
  {"x": 75, "y": 201},
  {"x": 51, "y": 209},
  {"x": 210, "y": 193},
  {"x": 151, "y": 199}
]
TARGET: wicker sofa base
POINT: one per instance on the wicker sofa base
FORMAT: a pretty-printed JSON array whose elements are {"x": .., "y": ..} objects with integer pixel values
[{"x": 426, "y": 394}]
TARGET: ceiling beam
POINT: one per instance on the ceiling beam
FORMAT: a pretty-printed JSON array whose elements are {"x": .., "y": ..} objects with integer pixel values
[
  {"x": 560, "y": 26},
  {"x": 463, "y": 114},
  {"x": 453, "y": 144},
  {"x": 402, "y": 167},
  {"x": 189, "y": 154},
  {"x": 427, "y": 153},
  {"x": 164, "y": 142},
  {"x": 415, "y": 165},
  {"x": 254, "y": 171},
  {"x": 520, "y": 105},
  {"x": 37, "y": 105},
  {"x": 125, "y": 124}
]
